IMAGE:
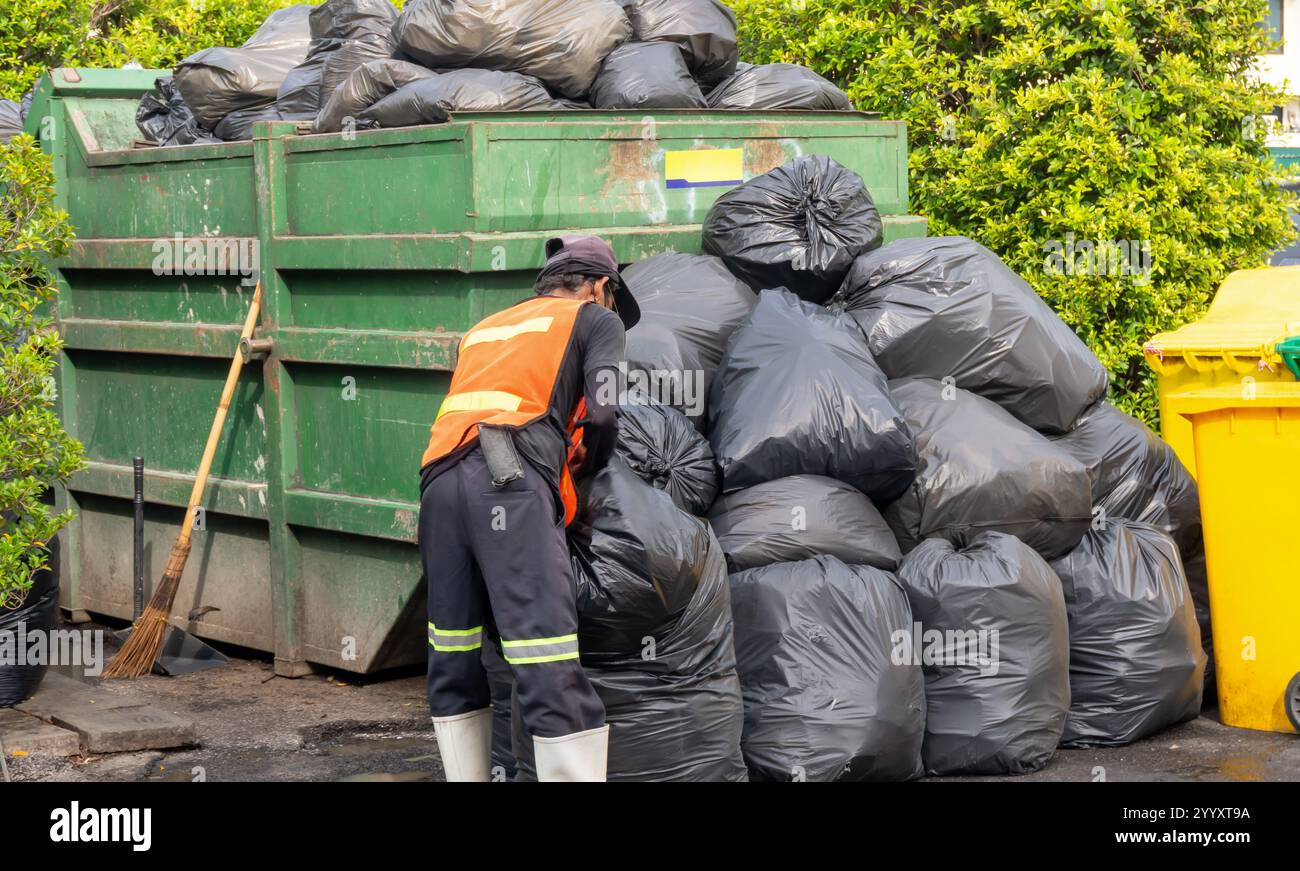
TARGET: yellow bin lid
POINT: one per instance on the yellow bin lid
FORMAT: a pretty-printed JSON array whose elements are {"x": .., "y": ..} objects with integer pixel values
[{"x": 1253, "y": 311}]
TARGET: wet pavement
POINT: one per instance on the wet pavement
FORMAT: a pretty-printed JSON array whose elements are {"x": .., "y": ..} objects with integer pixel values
[{"x": 334, "y": 726}]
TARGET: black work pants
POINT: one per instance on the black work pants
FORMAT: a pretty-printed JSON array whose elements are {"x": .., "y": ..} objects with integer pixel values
[{"x": 497, "y": 564}]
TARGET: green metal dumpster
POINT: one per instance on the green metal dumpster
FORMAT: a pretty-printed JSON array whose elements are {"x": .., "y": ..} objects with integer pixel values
[{"x": 376, "y": 250}]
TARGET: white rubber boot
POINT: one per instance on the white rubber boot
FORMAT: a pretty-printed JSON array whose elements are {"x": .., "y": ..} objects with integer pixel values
[
  {"x": 576, "y": 758},
  {"x": 465, "y": 744}
]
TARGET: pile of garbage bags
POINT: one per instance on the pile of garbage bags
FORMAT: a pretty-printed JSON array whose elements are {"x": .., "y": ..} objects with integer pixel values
[
  {"x": 215, "y": 82},
  {"x": 948, "y": 554},
  {"x": 304, "y": 64}
]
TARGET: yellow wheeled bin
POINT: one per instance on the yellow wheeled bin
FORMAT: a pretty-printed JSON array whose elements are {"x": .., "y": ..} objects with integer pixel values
[
  {"x": 1233, "y": 345},
  {"x": 1246, "y": 444}
]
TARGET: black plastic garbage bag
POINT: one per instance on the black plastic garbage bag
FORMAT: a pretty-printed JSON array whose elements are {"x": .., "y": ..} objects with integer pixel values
[
  {"x": 705, "y": 30},
  {"x": 365, "y": 86},
  {"x": 11, "y": 120},
  {"x": 300, "y": 92},
  {"x": 164, "y": 119},
  {"x": 778, "y": 86},
  {"x": 658, "y": 364},
  {"x": 39, "y": 613},
  {"x": 432, "y": 100},
  {"x": 981, "y": 469},
  {"x": 1136, "y": 663},
  {"x": 238, "y": 125},
  {"x": 654, "y": 625},
  {"x": 798, "y": 226},
  {"x": 700, "y": 303},
  {"x": 1137, "y": 476},
  {"x": 825, "y": 697},
  {"x": 665, "y": 450},
  {"x": 353, "y": 19},
  {"x": 645, "y": 75},
  {"x": 947, "y": 307},
  {"x": 561, "y": 42},
  {"x": 345, "y": 34},
  {"x": 343, "y": 60},
  {"x": 218, "y": 81},
  {"x": 798, "y": 394},
  {"x": 798, "y": 518},
  {"x": 995, "y": 642}
]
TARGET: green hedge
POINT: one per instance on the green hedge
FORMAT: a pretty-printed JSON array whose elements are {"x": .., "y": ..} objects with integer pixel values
[
  {"x": 1039, "y": 123},
  {"x": 35, "y": 451}
]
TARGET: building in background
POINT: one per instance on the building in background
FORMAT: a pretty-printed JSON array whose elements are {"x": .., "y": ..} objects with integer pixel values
[{"x": 1281, "y": 67}]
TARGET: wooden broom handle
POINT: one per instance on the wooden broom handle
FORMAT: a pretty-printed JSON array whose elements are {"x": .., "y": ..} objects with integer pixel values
[{"x": 219, "y": 422}]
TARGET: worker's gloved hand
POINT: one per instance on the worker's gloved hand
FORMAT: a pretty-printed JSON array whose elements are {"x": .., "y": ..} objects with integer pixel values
[
  {"x": 599, "y": 434},
  {"x": 577, "y": 458}
]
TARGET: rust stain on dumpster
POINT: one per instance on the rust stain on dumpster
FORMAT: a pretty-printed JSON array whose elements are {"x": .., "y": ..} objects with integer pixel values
[
  {"x": 631, "y": 162},
  {"x": 764, "y": 155}
]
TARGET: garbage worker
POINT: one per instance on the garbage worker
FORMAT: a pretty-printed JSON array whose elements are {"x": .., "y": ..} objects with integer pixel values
[{"x": 532, "y": 401}]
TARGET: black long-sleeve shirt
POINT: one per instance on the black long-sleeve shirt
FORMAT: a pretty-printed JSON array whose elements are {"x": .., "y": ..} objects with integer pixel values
[{"x": 589, "y": 369}]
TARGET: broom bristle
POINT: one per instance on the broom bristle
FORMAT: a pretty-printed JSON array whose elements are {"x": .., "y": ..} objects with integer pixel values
[{"x": 137, "y": 655}]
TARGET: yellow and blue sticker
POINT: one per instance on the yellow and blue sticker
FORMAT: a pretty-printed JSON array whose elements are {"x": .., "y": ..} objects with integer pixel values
[{"x": 700, "y": 168}]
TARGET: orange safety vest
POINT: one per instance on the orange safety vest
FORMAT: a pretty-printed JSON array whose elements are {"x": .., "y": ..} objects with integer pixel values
[{"x": 505, "y": 376}]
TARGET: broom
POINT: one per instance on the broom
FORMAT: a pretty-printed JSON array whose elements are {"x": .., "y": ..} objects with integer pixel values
[{"x": 141, "y": 649}]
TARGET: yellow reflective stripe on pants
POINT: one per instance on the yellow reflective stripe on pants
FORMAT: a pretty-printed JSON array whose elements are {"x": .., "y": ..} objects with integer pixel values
[
  {"x": 455, "y": 640},
  {"x": 528, "y": 651},
  {"x": 480, "y": 400}
]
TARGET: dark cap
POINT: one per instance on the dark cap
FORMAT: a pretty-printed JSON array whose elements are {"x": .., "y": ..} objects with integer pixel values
[{"x": 591, "y": 255}]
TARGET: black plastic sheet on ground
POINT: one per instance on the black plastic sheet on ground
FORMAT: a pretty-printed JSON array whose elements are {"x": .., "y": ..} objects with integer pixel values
[
  {"x": 825, "y": 698},
  {"x": 998, "y": 690},
  {"x": 798, "y": 394},
  {"x": 798, "y": 226}
]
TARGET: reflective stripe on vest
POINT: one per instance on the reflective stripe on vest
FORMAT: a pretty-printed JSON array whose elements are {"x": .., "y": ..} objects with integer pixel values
[
  {"x": 505, "y": 376},
  {"x": 480, "y": 400}
]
